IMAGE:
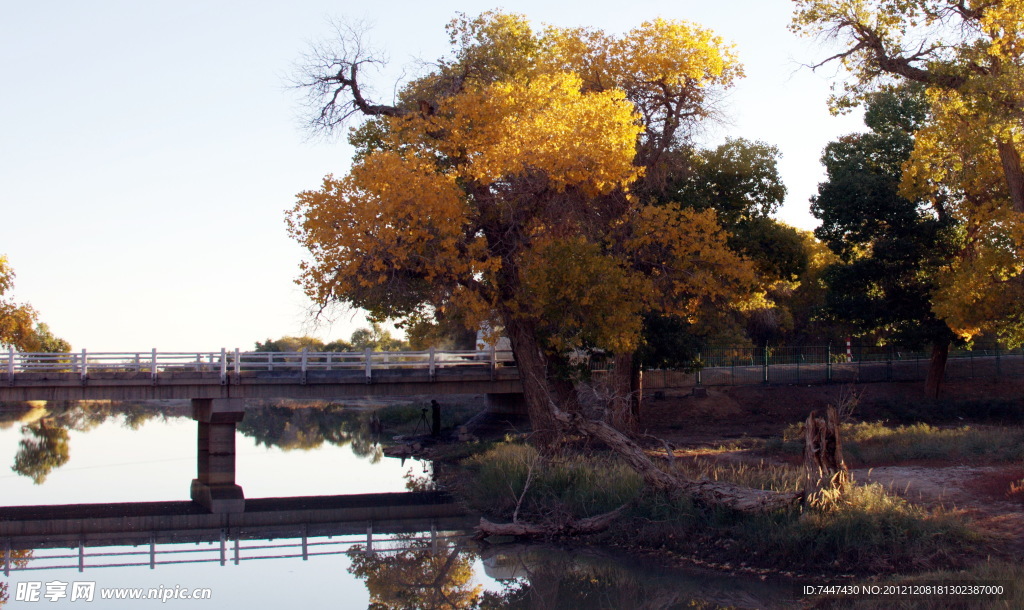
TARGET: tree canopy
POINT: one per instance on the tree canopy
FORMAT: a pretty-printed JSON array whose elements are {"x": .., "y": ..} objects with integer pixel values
[
  {"x": 17, "y": 320},
  {"x": 891, "y": 247},
  {"x": 19, "y": 323},
  {"x": 966, "y": 158},
  {"x": 375, "y": 338},
  {"x": 509, "y": 184}
]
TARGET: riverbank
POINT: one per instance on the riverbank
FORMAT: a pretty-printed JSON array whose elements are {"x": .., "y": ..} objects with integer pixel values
[{"x": 943, "y": 498}]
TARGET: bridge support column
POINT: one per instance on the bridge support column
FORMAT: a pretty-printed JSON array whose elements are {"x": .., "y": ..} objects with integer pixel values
[
  {"x": 214, "y": 486},
  {"x": 510, "y": 404}
]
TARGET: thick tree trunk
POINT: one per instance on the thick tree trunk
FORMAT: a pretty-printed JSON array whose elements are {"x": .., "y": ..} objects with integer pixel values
[
  {"x": 823, "y": 454},
  {"x": 621, "y": 414},
  {"x": 1010, "y": 158},
  {"x": 533, "y": 375},
  {"x": 936, "y": 369}
]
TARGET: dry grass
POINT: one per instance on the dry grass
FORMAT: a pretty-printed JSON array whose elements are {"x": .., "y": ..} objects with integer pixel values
[{"x": 875, "y": 443}]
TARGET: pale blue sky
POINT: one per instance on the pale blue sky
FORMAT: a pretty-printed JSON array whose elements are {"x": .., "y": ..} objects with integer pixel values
[{"x": 148, "y": 150}]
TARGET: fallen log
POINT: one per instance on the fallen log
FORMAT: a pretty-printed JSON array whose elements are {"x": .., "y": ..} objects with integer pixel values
[
  {"x": 706, "y": 492},
  {"x": 566, "y": 527}
]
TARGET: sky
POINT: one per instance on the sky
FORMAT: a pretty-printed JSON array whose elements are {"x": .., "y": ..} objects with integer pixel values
[{"x": 149, "y": 150}]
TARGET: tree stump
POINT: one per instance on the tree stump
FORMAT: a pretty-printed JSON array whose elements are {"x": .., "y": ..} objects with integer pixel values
[{"x": 823, "y": 457}]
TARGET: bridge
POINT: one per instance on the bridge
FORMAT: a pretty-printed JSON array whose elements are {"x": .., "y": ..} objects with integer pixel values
[
  {"x": 157, "y": 375},
  {"x": 219, "y": 383}
]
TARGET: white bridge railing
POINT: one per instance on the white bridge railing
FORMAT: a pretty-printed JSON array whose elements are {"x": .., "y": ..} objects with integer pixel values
[
  {"x": 233, "y": 549},
  {"x": 237, "y": 362}
]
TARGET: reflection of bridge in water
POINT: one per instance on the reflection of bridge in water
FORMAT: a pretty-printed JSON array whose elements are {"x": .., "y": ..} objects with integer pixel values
[
  {"x": 270, "y": 528},
  {"x": 302, "y": 375}
]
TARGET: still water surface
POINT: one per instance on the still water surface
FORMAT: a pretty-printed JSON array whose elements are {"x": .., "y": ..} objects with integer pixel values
[{"x": 104, "y": 454}]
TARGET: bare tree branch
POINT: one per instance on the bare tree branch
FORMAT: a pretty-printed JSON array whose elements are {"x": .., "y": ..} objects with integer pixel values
[{"x": 330, "y": 75}]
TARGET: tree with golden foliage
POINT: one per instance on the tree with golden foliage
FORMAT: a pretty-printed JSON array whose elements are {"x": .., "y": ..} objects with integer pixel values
[
  {"x": 17, "y": 321},
  {"x": 507, "y": 185},
  {"x": 967, "y": 158}
]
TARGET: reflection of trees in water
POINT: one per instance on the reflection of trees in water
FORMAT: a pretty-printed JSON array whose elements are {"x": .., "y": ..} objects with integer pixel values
[
  {"x": 19, "y": 559},
  {"x": 542, "y": 578},
  {"x": 43, "y": 447},
  {"x": 44, "y": 443},
  {"x": 309, "y": 428},
  {"x": 538, "y": 577},
  {"x": 417, "y": 576}
]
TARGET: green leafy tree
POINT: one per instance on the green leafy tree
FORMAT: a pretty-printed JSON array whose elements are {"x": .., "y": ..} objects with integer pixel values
[
  {"x": 291, "y": 344},
  {"x": 46, "y": 341},
  {"x": 376, "y": 338},
  {"x": 739, "y": 181},
  {"x": 890, "y": 247}
]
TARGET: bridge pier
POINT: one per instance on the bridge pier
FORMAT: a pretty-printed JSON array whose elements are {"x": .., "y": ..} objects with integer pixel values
[{"x": 214, "y": 486}]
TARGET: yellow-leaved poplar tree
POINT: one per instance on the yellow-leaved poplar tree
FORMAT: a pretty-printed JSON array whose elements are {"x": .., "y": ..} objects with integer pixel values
[
  {"x": 505, "y": 186},
  {"x": 17, "y": 320},
  {"x": 967, "y": 158}
]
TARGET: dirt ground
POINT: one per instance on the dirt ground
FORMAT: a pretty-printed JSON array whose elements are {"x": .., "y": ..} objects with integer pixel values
[
  {"x": 734, "y": 412},
  {"x": 727, "y": 414}
]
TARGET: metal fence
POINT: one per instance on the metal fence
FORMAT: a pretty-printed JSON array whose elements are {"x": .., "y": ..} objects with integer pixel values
[{"x": 746, "y": 365}]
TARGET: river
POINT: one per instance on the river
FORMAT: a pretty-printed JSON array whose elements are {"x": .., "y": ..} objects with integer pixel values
[{"x": 115, "y": 454}]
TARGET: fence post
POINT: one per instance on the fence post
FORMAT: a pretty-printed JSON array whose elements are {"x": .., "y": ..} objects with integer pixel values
[
  {"x": 305, "y": 361},
  {"x": 152, "y": 367},
  {"x": 85, "y": 366},
  {"x": 433, "y": 364},
  {"x": 368, "y": 358},
  {"x": 10, "y": 364},
  {"x": 238, "y": 365},
  {"x": 223, "y": 366},
  {"x": 828, "y": 363},
  {"x": 766, "y": 362},
  {"x": 860, "y": 360},
  {"x": 494, "y": 361}
]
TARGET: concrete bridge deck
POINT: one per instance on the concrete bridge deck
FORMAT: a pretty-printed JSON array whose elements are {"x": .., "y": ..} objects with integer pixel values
[{"x": 300, "y": 375}]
